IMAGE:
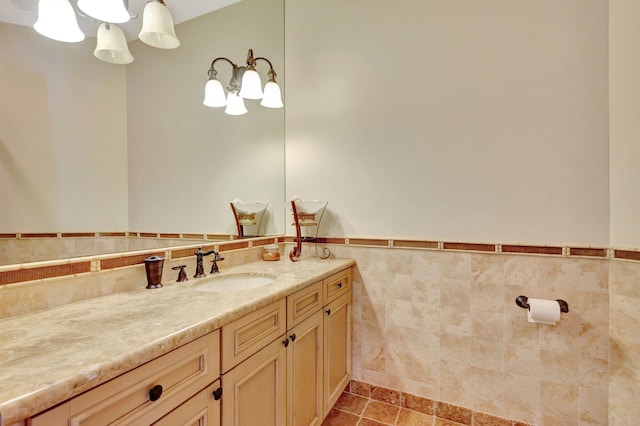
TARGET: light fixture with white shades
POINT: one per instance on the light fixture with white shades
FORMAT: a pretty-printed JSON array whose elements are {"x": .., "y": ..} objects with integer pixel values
[
  {"x": 244, "y": 84},
  {"x": 112, "y": 45},
  {"x": 157, "y": 26},
  {"x": 58, "y": 20}
]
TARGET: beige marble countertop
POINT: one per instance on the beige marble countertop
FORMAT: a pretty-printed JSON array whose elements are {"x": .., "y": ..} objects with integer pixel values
[{"x": 49, "y": 356}]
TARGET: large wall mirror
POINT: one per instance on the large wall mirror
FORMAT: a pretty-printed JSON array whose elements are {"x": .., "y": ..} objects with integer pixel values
[{"x": 87, "y": 146}]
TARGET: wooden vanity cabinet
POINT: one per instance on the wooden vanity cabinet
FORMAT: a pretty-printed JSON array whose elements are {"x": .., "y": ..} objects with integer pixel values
[
  {"x": 304, "y": 372},
  {"x": 295, "y": 379},
  {"x": 282, "y": 365},
  {"x": 337, "y": 349},
  {"x": 148, "y": 393}
]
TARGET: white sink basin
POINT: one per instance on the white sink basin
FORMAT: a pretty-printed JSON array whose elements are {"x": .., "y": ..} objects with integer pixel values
[{"x": 235, "y": 282}]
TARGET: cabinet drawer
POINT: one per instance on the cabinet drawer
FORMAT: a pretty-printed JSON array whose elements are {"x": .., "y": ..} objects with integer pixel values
[
  {"x": 127, "y": 398},
  {"x": 302, "y": 304},
  {"x": 337, "y": 285},
  {"x": 247, "y": 335},
  {"x": 201, "y": 409}
]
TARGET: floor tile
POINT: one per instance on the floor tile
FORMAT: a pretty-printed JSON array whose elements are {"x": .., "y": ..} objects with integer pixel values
[
  {"x": 381, "y": 412},
  {"x": 340, "y": 418},
  {"x": 369, "y": 422},
  {"x": 351, "y": 403},
  {"x": 414, "y": 418}
]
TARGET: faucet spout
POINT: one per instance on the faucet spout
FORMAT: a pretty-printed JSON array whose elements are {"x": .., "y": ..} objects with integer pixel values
[
  {"x": 214, "y": 263},
  {"x": 199, "y": 265}
]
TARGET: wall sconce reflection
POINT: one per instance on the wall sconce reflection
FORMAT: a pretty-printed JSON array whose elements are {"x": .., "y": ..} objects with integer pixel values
[
  {"x": 248, "y": 216},
  {"x": 244, "y": 84}
]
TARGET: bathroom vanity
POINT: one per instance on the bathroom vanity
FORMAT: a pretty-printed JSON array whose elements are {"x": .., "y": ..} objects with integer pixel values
[{"x": 278, "y": 354}]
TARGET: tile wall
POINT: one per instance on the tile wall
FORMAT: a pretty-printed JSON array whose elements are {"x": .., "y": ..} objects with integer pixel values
[
  {"x": 624, "y": 379},
  {"x": 444, "y": 325}
]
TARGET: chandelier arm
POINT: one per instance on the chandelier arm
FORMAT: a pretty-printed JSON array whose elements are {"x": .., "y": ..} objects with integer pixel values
[
  {"x": 272, "y": 74},
  {"x": 212, "y": 71},
  {"x": 132, "y": 15}
]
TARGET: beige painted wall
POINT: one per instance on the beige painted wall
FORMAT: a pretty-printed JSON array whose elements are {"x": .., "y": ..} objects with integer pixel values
[
  {"x": 452, "y": 120},
  {"x": 63, "y": 152},
  {"x": 624, "y": 101},
  {"x": 624, "y": 98}
]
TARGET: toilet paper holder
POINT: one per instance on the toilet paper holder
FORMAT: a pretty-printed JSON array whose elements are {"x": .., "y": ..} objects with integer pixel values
[{"x": 523, "y": 302}]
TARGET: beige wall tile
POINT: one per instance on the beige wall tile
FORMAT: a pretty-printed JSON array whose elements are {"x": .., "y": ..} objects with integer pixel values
[
  {"x": 594, "y": 373},
  {"x": 487, "y": 354},
  {"x": 594, "y": 406},
  {"x": 522, "y": 360},
  {"x": 487, "y": 269},
  {"x": 624, "y": 278},
  {"x": 563, "y": 368},
  {"x": 559, "y": 400}
]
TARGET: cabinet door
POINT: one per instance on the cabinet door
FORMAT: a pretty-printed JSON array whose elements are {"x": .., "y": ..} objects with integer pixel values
[
  {"x": 202, "y": 409},
  {"x": 304, "y": 372},
  {"x": 337, "y": 349},
  {"x": 255, "y": 391}
]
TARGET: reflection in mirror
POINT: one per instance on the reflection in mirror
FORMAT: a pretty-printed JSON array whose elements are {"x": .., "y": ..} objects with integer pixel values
[
  {"x": 248, "y": 217},
  {"x": 91, "y": 148}
]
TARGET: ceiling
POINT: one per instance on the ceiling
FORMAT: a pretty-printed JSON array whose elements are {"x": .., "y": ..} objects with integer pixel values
[{"x": 25, "y": 12}]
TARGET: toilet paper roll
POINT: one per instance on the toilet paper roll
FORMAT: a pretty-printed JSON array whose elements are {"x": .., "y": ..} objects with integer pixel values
[{"x": 543, "y": 311}]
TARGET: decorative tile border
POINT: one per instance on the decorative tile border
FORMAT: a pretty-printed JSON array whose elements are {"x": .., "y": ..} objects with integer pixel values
[
  {"x": 626, "y": 254},
  {"x": 469, "y": 246},
  {"x": 42, "y": 272},
  {"x": 169, "y": 235},
  {"x": 78, "y": 234},
  {"x": 478, "y": 247},
  {"x": 121, "y": 261},
  {"x": 10, "y": 274}
]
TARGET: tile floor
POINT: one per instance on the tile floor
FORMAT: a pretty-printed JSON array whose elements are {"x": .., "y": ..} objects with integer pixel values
[{"x": 365, "y": 405}]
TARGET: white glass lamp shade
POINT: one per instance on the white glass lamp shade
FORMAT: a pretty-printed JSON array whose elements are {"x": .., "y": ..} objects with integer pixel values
[
  {"x": 157, "y": 27},
  {"x": 235, "y": 105},
  {"x": 251, "y": 87},
  {"x": 214, "y": 94},
  {"x": 272, "y": 96},
  {"x": 112, "y": 45},
  {"x": 57, "y": 20},
  {"x": 105, "y": 10}
]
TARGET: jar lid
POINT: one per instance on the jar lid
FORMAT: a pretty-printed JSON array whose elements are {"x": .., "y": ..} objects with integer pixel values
[{"x": 153, "y": 259}]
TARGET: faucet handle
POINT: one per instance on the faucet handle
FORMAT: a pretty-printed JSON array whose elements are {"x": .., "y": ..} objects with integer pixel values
[{"x": 182, "y": 275}]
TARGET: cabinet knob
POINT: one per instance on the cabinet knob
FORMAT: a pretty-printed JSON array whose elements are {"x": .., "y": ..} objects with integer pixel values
[
  {"x": 293, "y": 337},
  {"x": 340, "y": 284},
  {"x": 155, "y": 393},
  {"x": 217, "y": 394},
  {"x": 328, "y": 311},
  {"x": 285, "y": 342}
]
